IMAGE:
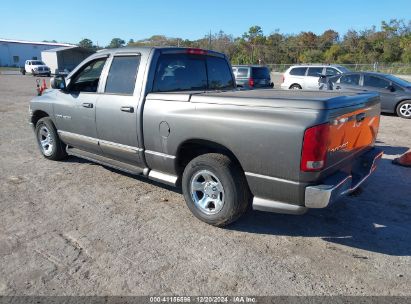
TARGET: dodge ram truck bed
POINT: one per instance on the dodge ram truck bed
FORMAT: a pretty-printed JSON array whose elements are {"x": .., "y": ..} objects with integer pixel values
[{"x": 175, "y": 116}]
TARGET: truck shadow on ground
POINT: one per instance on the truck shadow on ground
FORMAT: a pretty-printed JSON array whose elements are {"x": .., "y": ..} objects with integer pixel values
[{"x": 378, "y": 219}]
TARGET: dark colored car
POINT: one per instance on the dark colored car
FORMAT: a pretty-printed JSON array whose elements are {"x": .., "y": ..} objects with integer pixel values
[
  {"x": 252, "y": 76},
  {"x": 395, "y": 93}
]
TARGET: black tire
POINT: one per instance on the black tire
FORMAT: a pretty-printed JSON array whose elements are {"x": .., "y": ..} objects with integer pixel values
[
  {"x": 23, "y": 71},
  {"x": 236, "y": 194},
  {"x": 404, "y": 109},
  {"x": 32, "y": 73},
  {"x": 46, "y": 132},
  {"x": 295, "y": 87},
  {"x": 49, "y": 75}
]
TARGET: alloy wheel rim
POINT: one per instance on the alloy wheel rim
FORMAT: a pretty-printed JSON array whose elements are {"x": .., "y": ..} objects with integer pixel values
[
  {"x": 405, "y": 109},
  {"x": 207, "y": 192},
  {"x": 46, "y": 141}
]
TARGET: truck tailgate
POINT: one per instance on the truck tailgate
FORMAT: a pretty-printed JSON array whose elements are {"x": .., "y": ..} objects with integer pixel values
[{"x": 352, "y": 132}]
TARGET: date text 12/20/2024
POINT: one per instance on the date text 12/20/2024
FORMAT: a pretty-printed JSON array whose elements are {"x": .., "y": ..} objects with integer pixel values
[{"x": 197, "y": 299}]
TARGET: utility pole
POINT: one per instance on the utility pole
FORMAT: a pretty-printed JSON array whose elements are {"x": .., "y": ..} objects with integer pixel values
[{"x": 209, "y": 41}]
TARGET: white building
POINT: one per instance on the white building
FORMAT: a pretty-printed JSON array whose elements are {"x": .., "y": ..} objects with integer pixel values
[
  {"x": 16, "y": 52},
  {"x": 64, "y": 58}
]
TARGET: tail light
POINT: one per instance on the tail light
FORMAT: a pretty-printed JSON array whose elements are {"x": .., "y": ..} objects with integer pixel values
[
  {"x": 251, "y": 82},
  {"x": 315, "y": 145},
  {"x": 282, "y": 78}
]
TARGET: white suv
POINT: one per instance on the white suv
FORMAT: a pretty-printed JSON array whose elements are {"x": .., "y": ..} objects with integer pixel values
[
  {"x": 306, "y": 77},
  {"x": 36, "y": 67}
]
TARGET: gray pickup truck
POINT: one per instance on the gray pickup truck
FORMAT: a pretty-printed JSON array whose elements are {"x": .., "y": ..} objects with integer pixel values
[{"x": 174, "y": 115}]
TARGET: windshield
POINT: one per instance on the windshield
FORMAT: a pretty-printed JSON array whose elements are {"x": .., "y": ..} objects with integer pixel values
[
  {"x": 399, "y": 81},
  {"x": 37, "y": 63}
]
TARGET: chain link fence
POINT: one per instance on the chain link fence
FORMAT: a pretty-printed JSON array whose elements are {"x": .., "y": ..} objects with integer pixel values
[{"x": 394, "y": 68}]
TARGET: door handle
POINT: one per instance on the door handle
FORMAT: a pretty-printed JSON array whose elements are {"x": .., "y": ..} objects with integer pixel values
[
  {"x": 87, "y": 105},
  {"x": 127, "y": 109}
]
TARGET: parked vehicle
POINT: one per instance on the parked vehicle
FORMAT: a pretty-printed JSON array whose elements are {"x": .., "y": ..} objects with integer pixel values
[
  {"x": 174, "y": 116},
  {"x": 306, "y": 77},
  {"x": 395, "y": 93},
  {"x": 35, "y": 68},
  {"x": 252, "y": 76}
]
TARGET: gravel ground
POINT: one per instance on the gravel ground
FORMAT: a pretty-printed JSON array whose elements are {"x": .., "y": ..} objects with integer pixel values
[{"x": 76, "y": 228}]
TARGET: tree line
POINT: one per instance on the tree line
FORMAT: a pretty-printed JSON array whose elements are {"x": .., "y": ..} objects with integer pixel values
[{"x": 390, "y": 43}]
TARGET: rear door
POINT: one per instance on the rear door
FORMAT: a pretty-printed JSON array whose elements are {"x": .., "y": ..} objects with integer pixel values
[
  {"x": 261, "y": 76},
  {"x": 313, "y": 75},
  {"x": 116, "y": 111},
  {"x": 382, "y": 86},
  {"x": 350, "y": 82}
]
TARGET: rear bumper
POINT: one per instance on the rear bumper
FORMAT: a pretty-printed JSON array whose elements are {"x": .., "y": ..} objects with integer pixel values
[
  {"x": 341, "y": 183},
  {"x": 312, "y": 196}
]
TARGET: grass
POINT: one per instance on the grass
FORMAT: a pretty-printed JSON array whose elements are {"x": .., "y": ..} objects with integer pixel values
[{"x": 9, "y": 69}]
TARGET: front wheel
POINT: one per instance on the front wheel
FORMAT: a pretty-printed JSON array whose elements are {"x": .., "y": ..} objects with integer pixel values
[
  {"x": 48, "y": 140},
  {"x": 404, "y": 109},
  {"x": 215, "y": 189}
]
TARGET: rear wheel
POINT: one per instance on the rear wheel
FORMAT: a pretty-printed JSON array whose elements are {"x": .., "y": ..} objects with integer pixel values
[
  {"x": 48, "y": 140},
  {"x": 404, "y": 109},
  {"x": 215, "y": 189},
  {"x": 295, "y": 87}
]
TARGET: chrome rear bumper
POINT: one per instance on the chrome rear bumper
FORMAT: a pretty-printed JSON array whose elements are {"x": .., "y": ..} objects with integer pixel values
[{"x": 320, "y": 196}]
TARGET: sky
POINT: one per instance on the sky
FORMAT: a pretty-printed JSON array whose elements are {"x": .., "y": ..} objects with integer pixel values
[{"x": 100, "y": 21}]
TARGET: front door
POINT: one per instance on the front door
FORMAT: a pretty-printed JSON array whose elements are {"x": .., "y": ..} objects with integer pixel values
[
  {"x": 117, "y": 110},
  {"x": 75, "y": 108}
]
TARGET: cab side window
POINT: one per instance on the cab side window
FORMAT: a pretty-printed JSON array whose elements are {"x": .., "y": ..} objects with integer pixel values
[
  {"x": 121, "y": 78},
  {"x": 376, "y": 82},
  {"x": 87, "y": 79}
]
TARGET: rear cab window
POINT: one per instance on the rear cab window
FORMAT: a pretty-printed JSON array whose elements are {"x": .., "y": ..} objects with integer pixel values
[
  {"x": 190, "y": 72},
  {"x": 298, "y": 71}
]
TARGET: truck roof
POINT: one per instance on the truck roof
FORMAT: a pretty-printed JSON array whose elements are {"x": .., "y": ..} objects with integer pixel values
[{"x": 148, "y": 49}]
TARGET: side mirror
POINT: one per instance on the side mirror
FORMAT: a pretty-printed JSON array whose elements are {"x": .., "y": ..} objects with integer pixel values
[
  {"x": 58, "y": 82},
  {"x": 391, "y": 88}
]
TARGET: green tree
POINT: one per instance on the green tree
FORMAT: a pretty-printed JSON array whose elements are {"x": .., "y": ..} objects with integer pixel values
[
  {"x": 116, "y": 43},
  {"x": 87, "y": 44}
]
